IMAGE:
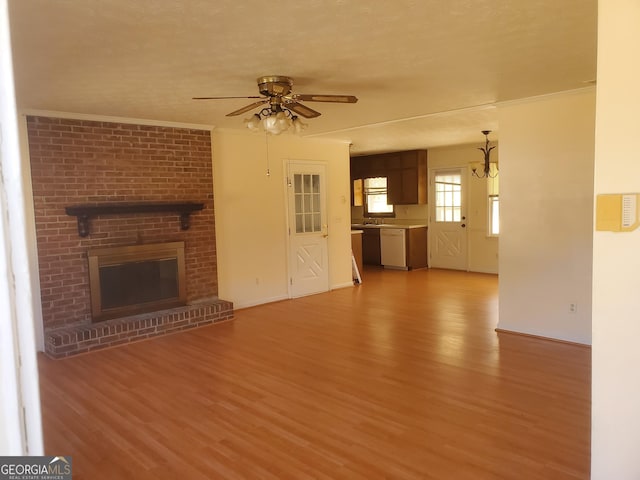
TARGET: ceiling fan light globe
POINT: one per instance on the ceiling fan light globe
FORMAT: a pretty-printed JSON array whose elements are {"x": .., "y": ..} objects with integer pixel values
[
  {"x": 282, "y": 121},
  {"x": 275, "y": 130},
  {"x": 253, "y": 123},
  {"x": 298, "y": 125},
  {"x": 273, "y": 125},
  {"x": 269, "y": 122}
]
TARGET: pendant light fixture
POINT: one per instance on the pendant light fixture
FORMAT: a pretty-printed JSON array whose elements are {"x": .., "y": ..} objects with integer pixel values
[{"x": 486, "y": 165}]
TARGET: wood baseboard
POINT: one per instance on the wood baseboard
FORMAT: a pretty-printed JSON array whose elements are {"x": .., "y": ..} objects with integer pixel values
[{"x": 540, "y": 337}]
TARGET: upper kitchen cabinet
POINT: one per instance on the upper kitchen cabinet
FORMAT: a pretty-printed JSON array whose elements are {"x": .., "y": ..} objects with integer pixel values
[
  {"x": 407, "y": 178},
  {"x": 406, "y": 174}
]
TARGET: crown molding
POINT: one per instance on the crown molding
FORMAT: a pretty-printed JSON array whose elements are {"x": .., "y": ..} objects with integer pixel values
[
  {"x": 546, "y": 96},
  {"x": 474, "y": 108},
  {"x": 106, "y": 118}
]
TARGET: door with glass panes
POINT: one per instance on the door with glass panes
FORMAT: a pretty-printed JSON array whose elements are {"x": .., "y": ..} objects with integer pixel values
[
  {"x": 307, "y": 212},
  {"x": 447, "y": 226}
]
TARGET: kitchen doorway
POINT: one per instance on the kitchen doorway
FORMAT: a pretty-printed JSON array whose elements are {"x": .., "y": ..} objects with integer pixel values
[
  {"x": 307, "y": 228},
  {"x": 448, "y": 219}
]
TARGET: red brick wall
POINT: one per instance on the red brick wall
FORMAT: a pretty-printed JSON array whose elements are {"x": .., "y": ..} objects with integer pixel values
[{"x": 78, "y": 162}]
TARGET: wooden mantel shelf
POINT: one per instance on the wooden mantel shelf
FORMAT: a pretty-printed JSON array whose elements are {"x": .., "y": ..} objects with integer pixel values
[{"x": 85, "y": 212}]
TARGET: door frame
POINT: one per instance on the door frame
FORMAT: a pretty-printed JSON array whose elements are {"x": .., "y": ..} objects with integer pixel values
[
  {"x": 287, "y": 164},
  {"x": 464, "y": 176}
]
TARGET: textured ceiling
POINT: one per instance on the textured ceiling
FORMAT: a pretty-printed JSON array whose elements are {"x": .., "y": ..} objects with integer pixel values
[{"x": 426, "y": 72}]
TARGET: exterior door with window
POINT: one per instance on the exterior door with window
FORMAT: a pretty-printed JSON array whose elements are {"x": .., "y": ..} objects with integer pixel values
[
  {"x": 308, "y": 252},
  {"x": 447, "y": 226}
]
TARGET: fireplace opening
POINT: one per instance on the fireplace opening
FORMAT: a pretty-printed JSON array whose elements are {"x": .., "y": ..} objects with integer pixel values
[{"x": 136, "y": 279}]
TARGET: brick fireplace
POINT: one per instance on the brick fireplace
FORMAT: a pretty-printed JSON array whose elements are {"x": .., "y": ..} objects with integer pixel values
[{"x": 93, "y": 163}]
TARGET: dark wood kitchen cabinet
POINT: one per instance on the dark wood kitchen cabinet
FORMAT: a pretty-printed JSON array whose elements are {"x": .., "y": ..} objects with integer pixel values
[
  {"x": 417, "y": 247},
  {"x": 407, "y": 178},
  {"x": 406, "y": 174},
  {"x": 371, "y": 246}
]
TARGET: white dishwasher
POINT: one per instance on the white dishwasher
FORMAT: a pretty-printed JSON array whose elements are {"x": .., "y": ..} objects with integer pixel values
[{"x": 393, "y": 248}]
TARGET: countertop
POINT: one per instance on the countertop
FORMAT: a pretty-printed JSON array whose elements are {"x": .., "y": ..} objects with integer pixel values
[{"x": 361, "y": 226}]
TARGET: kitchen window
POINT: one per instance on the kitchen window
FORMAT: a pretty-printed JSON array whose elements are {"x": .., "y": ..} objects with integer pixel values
[{"x": 375, "y": 198}]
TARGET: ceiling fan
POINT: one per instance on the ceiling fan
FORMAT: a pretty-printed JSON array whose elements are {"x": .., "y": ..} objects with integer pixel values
[{"x": 276, "y": 91}]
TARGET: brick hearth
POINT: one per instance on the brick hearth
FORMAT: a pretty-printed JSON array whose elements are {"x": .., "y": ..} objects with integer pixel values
[{"x": 85, "y": 338}]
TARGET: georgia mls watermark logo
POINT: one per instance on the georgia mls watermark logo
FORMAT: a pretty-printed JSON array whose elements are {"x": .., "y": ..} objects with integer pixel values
[{"x": 35, "y": 468}]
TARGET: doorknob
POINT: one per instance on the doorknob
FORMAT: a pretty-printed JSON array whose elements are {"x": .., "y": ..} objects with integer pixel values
[
  {"x": 463, "y": 225},
  {"x": 464, "y": 218}
]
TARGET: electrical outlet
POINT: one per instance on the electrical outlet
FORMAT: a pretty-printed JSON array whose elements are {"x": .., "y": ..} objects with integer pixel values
[{"x": 573, "y": 307}]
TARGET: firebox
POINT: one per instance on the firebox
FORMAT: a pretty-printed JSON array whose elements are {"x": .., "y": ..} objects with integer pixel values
[{"x": 136, "y": 279}]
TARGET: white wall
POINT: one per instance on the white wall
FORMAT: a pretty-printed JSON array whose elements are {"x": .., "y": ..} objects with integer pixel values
[
  {"x": 546, "y": 190},
  {"x": 251, "y": 212},
  {"x": 616, "y": 257},
  {"x": 482, "y": 249},
  {"x": 20, "y": 421}
]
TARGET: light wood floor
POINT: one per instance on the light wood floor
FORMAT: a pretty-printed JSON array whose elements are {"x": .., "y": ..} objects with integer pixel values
[{"x": 402, "y": 377}]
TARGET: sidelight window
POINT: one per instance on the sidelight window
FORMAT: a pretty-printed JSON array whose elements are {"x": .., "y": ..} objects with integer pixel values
[
  {"x": 493, "y": 207},
  {"x": 494, "y": 215}
]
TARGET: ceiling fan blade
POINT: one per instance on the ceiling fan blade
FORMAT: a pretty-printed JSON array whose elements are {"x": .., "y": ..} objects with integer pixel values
[
  {"x": 303, "y": 110},
  {"x": 247, "y": 108},
  {"x": 218, "y": 98},
  {"x": 325, "y": 98}
]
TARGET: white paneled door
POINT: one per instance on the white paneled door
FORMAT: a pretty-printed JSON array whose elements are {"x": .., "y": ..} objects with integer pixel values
[
  {"x": 448, "y": 222},
  {"x": 307, "y": 228}
]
